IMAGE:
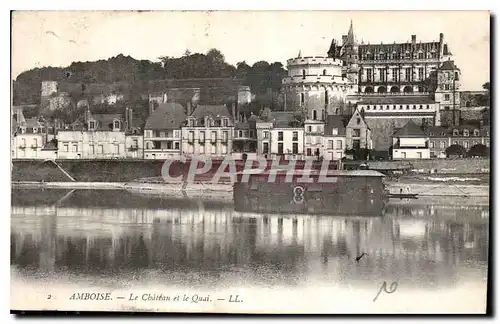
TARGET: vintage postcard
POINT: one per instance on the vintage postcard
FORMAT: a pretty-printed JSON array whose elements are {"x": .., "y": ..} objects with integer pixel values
[{"x": 262, "y": 162}]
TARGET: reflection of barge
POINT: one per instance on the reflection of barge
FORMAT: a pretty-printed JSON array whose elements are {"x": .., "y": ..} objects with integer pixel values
[{"x": 359, "y": 192}]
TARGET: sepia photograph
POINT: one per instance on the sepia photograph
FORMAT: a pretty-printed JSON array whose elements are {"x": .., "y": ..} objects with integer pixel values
[{"x": 250, "y": 162}]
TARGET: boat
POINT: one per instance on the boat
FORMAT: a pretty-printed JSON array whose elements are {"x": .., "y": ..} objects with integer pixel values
[
  {"x": 404, "y": 196},
  {"x": 333, "y": 192}
]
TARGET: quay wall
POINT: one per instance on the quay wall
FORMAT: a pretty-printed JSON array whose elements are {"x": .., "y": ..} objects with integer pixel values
[{"x": 442, "y": 166}]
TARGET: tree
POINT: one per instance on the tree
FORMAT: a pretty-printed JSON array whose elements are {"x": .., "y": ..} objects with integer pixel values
[
  {"x": 478, "y": 150},
  {"x": 455, "y": 150}
]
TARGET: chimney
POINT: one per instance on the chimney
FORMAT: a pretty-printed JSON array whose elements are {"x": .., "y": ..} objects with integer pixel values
[
  {"x": 189, "y": 108},
  {"x": 127, "y": 125},
  {"x": 130, "y": 121},
  {"x": 233, "y": 110},
  {"x": 151, "y": 109},
  {"x": 344, "y": 39},
  {"x": 413, "y": 39}
]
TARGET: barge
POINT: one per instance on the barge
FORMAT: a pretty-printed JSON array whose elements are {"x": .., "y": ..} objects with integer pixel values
[{"x": 336, "y": 192}]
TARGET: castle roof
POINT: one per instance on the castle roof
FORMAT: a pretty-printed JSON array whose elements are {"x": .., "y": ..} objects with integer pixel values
[
  {"x": 448, "y": 66},
  {"x": 334, "y": 121}
]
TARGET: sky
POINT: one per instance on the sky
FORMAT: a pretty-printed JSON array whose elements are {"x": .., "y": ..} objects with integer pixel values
[{"x": 57, "y": 38}]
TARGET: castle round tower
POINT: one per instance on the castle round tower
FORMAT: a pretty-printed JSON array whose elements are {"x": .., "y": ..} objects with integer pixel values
[{"x": 315, "y": 85}]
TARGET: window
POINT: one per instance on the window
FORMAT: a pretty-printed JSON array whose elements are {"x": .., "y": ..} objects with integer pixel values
[
  {"x": 295, "y": 148},
  {"x": 116, "y": 149},
  {"x": 339, "y": 145},
  {"x": 303, "y": 74},
  {"x": 214, "y": 137},
  {"x": 266, "y": 134},
  {"x": 225, "y": 136},
  {"x": 226, "y": 122},
  {"x": 223, "y": 149},
  {"x": 309, "y": 152},
  {"x": 420, "y": 55},
  {"x": 369, "y": 75},
  {"x": 413, "y": 106},
  {"x": 202, "y": 149},
  {"x": 330, "y": 144},
  {"x": 358, "y": 121},
  {"x": 135, "y": 143},
  {"x": 382, "y": 75},
  {"x": 447, "y": 97},
  {"x": 116, "y": 124},
  {"x": 395, "y": 74},
  {"x": 476, "y": 132},
  {"x": 202, "y": 136},
  {"x": 335, "y": 131},
  {"x": 446, "y": 87},
  {"x": 214, "y": 149},
  {"x": 280, "y": 136},
  {"x": 295, "y": 136},
  {"x": 431, "y": 144},
  {"x": 100, "y": 149},
  {"x": 302, "y": 99},
  {"x": 442, "y": 145},
  {"x": 35, "y": 130},
  {"x": 466, "y": 144},
  {"x": 419, "y": 155},
  {"x": 455, "y": 132},
  {"x": 408, "y": 74},
  {"x": 309, "y": 129},
  {"x": 403, "y": 155},
  {"x": 176, "y": 145},
  {"x": 466, "y": 132},
  {"x": 66, "y": 148},
  {"x": 315, "y": 115},
  {"x": 91, "y": 125},
  {"x": 356, "y": 132},
  {"x": 326, "y": 97},
  {"x": 324, "y": 72},
  {"x": 427, "y": 106},
  {"x": 446, "y": 107},
  {"x": 420, "y": 74},
  {"x": 191, "y": 136},
  {"x": 265, "y": 148},
  {"x": 420, "y": 107}
]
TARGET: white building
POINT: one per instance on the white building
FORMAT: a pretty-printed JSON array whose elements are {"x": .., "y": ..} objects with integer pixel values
[
  {"x": 410, "y": 142},
  {"x": 334, "y": 139},
  {"x": 99, "y": 136},
  {"x": 209, "y": 131},
  {"x": 29, "y": 137},
  {"x": 280, "y": 135},
  {"x": 162, "y": 132}
]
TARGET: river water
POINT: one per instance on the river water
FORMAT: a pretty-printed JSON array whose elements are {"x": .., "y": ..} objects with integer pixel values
[{"x": 431, "y": 253}]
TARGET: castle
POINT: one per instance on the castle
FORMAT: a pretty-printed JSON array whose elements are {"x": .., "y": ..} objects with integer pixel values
[{"x": 390, "y": 84}]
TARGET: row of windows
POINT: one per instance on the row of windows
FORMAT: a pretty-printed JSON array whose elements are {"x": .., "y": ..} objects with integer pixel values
[
  {"x": 395, "y": 56},
  {"x": 23, "y": 143},
  {"x": 444, "y": 144},
  {"x": 212, "y": 150},
  {"x": 225, "y": 136},
  {"x": 209, "y": 122},
  {"x": 240, "y": 133},
  {"x": 383, "y": 72},
  {"x": 387, "y": 107},
  {"x": 295, "y": 148},
  {"x": 35, "y": 130},
  {"x": 93, "y": 149},
  {"x": 93, "y": 124},
  {"x": 295, "y": 135}
]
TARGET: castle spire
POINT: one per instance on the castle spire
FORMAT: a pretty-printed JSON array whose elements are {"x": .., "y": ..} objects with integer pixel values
[
  {"x": 350, "y": 35},
  {"x": 300, "y": 54}
]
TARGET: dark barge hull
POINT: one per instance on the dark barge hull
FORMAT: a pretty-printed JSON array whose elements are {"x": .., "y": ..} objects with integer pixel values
[{"x": 353, "y": 193}]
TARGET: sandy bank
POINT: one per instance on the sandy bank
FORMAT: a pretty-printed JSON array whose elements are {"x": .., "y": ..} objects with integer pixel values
[{"x": 422, "y": 189}]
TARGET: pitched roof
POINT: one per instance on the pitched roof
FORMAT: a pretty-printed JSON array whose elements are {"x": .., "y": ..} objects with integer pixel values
[
  {"x": 282, "y": 119},
  {"x": 214, "y": 111},
  {"x": 334, "y": 121},
  {"x": 396, "y": 100},
  {"x": 448, "y": 65},
  {"x": 410, "y": 130},
  {"x": 166, "y": 116},
  {"x": 105, "y": 121}
]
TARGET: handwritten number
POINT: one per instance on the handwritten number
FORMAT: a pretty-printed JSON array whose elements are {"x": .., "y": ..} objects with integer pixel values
[
  {"x": 392, "y": 289},
  {"x": 298, "y": 194},
  {"x": 49, "y": 296}
]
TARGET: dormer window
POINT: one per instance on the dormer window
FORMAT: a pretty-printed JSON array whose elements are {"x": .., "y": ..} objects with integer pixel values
[
  {"x": 116, "y": 124},
  {"x": 226, "y": 122},
  {"x": 476, "y": 132},
  {"x": 35, "y": 130},
  {"x": 324, "y": 72},
  {"x": 91, "y": 125},
  {"x": 455, "y": 132},
  {"x": 466, "y": 132},
  {"x": 335, "y": 131}
]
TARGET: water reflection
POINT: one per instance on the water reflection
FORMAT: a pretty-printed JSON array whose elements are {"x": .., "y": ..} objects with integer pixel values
[{"x": 107, "y": 233}]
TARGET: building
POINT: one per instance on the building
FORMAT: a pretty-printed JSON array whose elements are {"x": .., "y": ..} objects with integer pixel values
[
  {"x": 280, "y": 135},
  {"x": 134, "y": 136},
  {"x": 29, "y": 136},
  {"x": 208, "y": 131},
  {"x": 410, "y": 142},
  {"x": 334, "y": 139},
  {"x": 313, "y": 138},
  {"x": 316, "y": 87},
  {"x": 162, "y": 132},
  {"x": 96, "y": 136},
  {"x": 245, "y": 138},
  {"x": 399, "y": 82},
  {"x": 440, "y": 138},
  {"x": 358, "y": 134}
]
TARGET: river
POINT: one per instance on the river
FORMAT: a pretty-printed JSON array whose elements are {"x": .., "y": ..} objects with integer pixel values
[{"x": 432, "y": 253}]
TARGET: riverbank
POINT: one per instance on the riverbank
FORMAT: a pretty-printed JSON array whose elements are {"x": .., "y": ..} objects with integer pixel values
[{"x": 421, "y": 189}]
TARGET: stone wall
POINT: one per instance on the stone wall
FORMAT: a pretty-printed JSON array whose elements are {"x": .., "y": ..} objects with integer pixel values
[
  {"x": 447, "y": 166},
  {"x": 383, "y": 129}
]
